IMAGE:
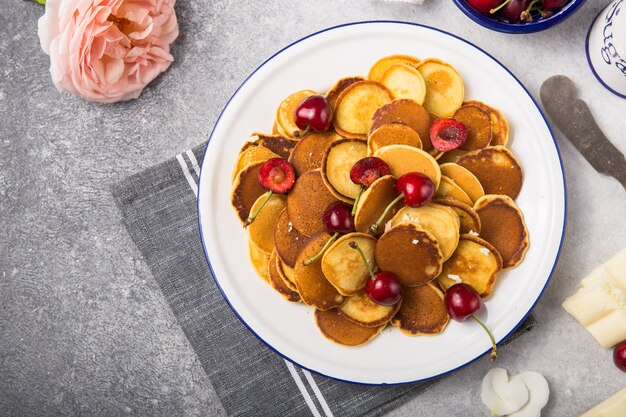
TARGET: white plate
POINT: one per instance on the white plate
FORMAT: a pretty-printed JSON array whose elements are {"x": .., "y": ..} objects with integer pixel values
[{"x": 316, "y": 62}]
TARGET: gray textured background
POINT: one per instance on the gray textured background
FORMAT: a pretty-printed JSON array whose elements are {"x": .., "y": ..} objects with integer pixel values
[{"x": 84, "y": 329}]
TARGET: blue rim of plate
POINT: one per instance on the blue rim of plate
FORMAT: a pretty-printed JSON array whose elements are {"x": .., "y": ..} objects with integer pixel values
[
  {"x": 517, "y": 28},
  {"x": 593, "y": 70},
  {"x": 206, "y": 255}
]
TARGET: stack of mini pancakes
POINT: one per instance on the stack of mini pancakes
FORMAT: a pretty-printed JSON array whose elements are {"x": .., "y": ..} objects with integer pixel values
[{"x": 469, "y": 232}]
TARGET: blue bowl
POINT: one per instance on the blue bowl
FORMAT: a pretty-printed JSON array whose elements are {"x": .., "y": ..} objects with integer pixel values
[{"x": 501, "y": 25}]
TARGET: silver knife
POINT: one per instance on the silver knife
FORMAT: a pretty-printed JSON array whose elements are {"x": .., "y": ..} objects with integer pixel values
[{"x": 574, "y": 119}]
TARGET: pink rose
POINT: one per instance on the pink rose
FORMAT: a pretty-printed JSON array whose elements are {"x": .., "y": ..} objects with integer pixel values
[{"x": 107, "y": 50}]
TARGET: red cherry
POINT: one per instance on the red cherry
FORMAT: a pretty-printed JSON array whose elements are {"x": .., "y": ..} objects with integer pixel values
[
  {"x": 514, "y": 9},
  {"x": 338, "y": 218},
  {"x": 554, "y": 5},
  {"x": 368, "y": 170},
  {"x": 384, "y": 288},
  {"x": 447, "y": 134},
  {"x": 417, "y": 189},
  {"x": 313, "y": 112},
  {"x": 619, "y": 356},
  {"x": 483, "y": 6},
  {"x": 277, "y": 175},
  {"x": 462, "y": 301}
]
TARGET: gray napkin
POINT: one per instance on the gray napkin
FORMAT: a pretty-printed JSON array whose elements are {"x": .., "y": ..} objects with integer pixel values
[{"x": 159, "y": 210}]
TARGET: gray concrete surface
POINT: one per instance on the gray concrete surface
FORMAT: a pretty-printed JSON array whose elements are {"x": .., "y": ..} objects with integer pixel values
[{"x": 83, "y": 328}]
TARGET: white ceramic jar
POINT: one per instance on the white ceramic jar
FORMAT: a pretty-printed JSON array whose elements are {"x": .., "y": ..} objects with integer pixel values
[{"x": 606, "y": 47}]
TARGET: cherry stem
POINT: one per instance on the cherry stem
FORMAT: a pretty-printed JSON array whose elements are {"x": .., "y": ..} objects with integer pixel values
[
  {"x": 494, "y": 10},
  {"x": 321, "y": 252},
  {"x": 303, "y": 133},
  {"x": 494, "y": 349},
  {"x": 356, "y": 201},
  {"x": 374, "y": 228},
  {"x": 256, "y": 213},
  {"x": 355, "y": 246}
]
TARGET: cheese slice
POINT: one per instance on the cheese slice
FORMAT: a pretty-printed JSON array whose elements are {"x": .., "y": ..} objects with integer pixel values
[
  {"x": 600, "y": 304},
  {"x": 614, "y": 406}
]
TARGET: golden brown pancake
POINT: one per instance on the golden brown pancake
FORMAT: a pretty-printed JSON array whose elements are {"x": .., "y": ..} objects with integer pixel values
[
  {"x": 333, "y": 94},
  {"x": 361, "y": 309},
  {"x": 478, "y": 124},
  {"x": 277, "y": 282},
  {"x": 382, "y": 65},
  {"x": 475, "y": 262},
  {"x": 251, "y": 155},
  {"x": 404, "y": 81},
  {"x": 403, "y": 159},
  {"x": 288, "y": 240},
  {"x": 444, "y": 87},
  {"x": 260, "y": 261},
  {"x": 451, "y": 156},
  {"x": 502, "y": 225},
  {"x": 246, "y": 189},
  {"x": 287, "y": 274},
  {"x": 464, "y": 179},
  {"x": 307, "y": 201},
  {"x": 409, "y": 113},
  {"x": 310, "y": 150},
  {"x": 393, "y": 134},
  {"x": 275, "y": 143},
  {"x": 440, "y": 220},
  {"x": 313, "y": 287},
  {"x": 336, "y": 328},
  {"x": 497, "y": 170},
  {"x": 422, "y": 311},
  {"x": 343, "y": 266},
  {"x": 410, "y": 252},
  {"x": 355, "y": 107},
  {"x": 499, "y": 124},
  {"x": 470, "y": 222},
  {"x": 285, "y": 115},
  {"x": 261, "y": 231},
  {"x": 373, "y": 202},
  {"x": 449, "y": 188},
  {"x": 339, "y": 159}
]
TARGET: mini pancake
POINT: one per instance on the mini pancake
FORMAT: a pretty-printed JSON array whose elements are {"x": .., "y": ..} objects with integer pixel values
[
  {"x": 497, "y": 170},
  {"x": 409, "y": 113},
  {"x": 478, "y": 124},
  {"x": 475, "y": 262},
  {"x": 373, "y": 203},
  {"x": 262, "y": 229},
  {"x": 470, "y": 222},
  {"x": 422, "y": 311},
  {"x": 411, "y": 252},
  {"x": 336, "y": 328},
  {"x": 451, "y": 156},
  {"x": 499, "y": 124},
  {"x": 356, "y": 105},
  {"x": 404, "y": 81},
  {"x": 275, "y": 143},
  {"x": 307, "y": 201},
  {"x": 246, "y": 189},
  {"x": 287, "y": 274},
  {"x": 449, "y": 188},
  {"x": 502, "y": 225},
  {"x": 288, "y": 241},
  {"x": 340, "y": 85},
  {"x": 382, "y": 65},
  {"x": 441, "y": 221},
  {"x": 392, "y": 134},
  {"x": 277, "y": 282},
  {"x": 281, "y": 131},
  {"x": 260, "y": 261},
  {"x": 361, "y": 310},
  {"x": 251, "y": 155},
  {"x": 343, "y": 266},
  {"x": 444, "y": 87},
  {"x": 403, "y": 159},
  {"x": 339, "y": 159},
  {"x": 310, "y": 150},
  {"x": 464, "y": 179},
  {"x": 274, "y": 128},
  {"x": 313, "y": 287},
  {"x": 287, "y": 110}
]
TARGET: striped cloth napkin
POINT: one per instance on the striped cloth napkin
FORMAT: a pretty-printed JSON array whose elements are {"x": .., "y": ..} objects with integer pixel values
[{"x": 158, "y": 207}]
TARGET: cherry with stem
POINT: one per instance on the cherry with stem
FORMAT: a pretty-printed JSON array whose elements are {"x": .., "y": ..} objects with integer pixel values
[
  {"x": 313, "y": 112},
  {"x": 382, "y": 287},
  {"x": 276, "y": 176},
  {"x": 364, "y": 172},
  {"x": 338, "y": 219}
]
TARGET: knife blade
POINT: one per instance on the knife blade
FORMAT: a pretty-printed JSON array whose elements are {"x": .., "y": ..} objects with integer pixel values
[{"x": 573, "y": 117}]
